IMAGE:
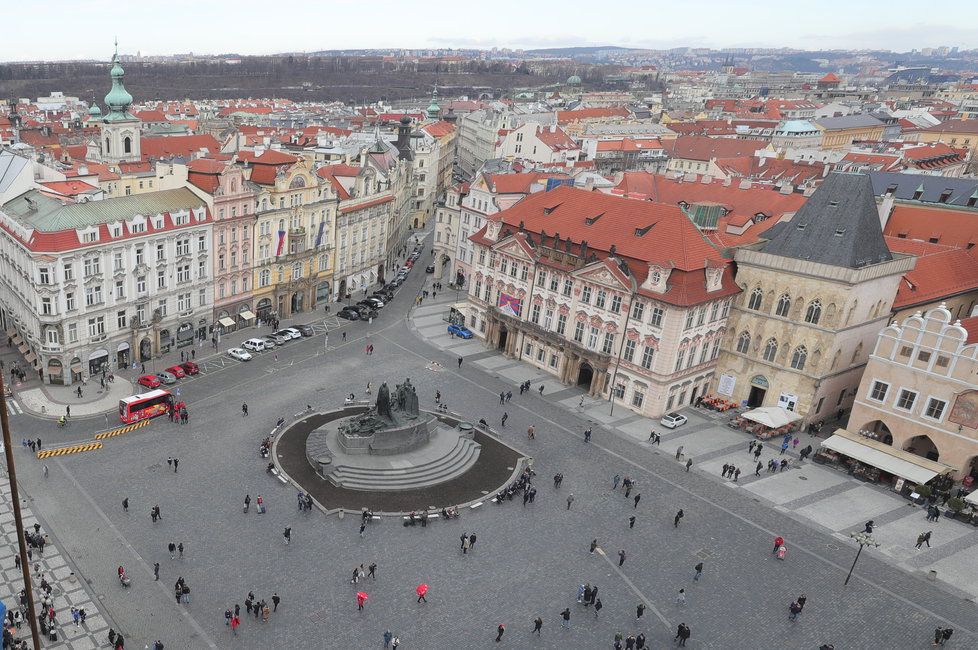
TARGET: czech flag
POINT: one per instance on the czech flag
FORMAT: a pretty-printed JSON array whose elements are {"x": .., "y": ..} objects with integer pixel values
[{"x": 281, "y": 243}]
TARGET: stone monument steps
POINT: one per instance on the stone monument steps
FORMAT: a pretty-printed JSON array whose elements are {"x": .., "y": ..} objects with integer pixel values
[{"x": 456, "y": 462}]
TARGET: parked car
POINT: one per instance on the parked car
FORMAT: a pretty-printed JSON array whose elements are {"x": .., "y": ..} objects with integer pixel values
[
  {"x": 255, "y": 345},
  {"x": 430, "y": 268},
  {"x": 240, "y": 354},
  {"x": 376, "y": 303},
  {"x": 366, "y": 312},
  {"x": 149, "y": 381},
  {"x": 190, "y": 368},
  {"x": 460, "y": 331},
  {"x": 290, "y": 331},
  {"x": 673, "y": 420},
  {"x": 349, "y": 313},
  {"x": 269, "y": 342},
  {"x": 279, "y": 338},
  {"x": 166, "y": 377},
  {"x": 305, "y": 330},
  {"x": 177, "y": 371}
]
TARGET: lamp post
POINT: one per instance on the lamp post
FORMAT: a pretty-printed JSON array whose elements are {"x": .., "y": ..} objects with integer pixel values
[{"x": 863, "y": 539}]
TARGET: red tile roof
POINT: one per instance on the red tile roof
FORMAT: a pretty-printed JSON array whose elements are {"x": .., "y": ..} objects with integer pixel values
[
  {"x": 954, "y": 126},
  {"x": 695, "y": 147},
  {"x": 518, "y": 183},
  {"x": 970, "y": 325},
  {"x": 67, "y": 188},
  {"x": 332, "y": 173},
  {"x": 829, "y": 78},
  {"x": 438, "y": 129},
  {"x": 556, "y": 139},
  {"x": 940, "y": 272},
  {"x": 367, "y": 204},
  {"x": 151, "y": 116},
  {"x": 629, "y": 144},
  {"x": 949, "y": 226},
  {"x": 183, "y": 146}
]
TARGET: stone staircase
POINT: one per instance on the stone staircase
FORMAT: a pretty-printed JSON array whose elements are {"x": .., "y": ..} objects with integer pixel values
[{"x": 458, "y": 460}]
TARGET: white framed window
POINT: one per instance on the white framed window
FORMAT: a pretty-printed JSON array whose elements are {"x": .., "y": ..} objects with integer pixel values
[
  {"x": 561, "y": 324},
  {"x": 906, "y": 399},
  {"x": 72, "y": 332},
  {"x": 592, "y": 338},
  {"x": 70, "y": 301},
  {"x": 44, "y": 275},
  {"x": 878, "y": 391},
  {"x": 689, "y": 319},
  {"x": 579, "y": 332},
  {"x": 586, "y": 295},
  {"x": 935, "y": 408},
  {"x": 599, "y": 300},
  {"x": 638, "y": 398},
  {"x": 638, "y": 310},
  {"x": 609, "y": 343},
  {"x": 648, "y": 356},
  {"x": 680, "y": 357},
  {"x": 46, "y": 308},
  {"x": 656, "y": 318},
  {"x": 121, "y": 320}
]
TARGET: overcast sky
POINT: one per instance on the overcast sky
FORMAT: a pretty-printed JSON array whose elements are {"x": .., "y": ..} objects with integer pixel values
[{"x": 67, "y": 29}]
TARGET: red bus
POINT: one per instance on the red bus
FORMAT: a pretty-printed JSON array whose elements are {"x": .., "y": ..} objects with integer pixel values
[{"x": 145, "y": 405}]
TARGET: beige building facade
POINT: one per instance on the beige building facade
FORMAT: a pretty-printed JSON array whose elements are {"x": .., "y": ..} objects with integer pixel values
[{"x": 919, "y": 392}]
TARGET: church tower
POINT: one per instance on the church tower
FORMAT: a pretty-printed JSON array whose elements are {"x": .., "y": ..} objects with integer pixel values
[{"x": 120, "y": 128}]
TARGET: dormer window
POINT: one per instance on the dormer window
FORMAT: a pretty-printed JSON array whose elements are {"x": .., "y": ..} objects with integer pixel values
[{"x": 655, "y": 277}]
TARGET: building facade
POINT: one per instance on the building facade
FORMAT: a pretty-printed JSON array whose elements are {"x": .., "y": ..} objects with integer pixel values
[
  {"x": 815, "y": 294},
  {"x": 626, "y": 298},
  {"x": 918, "y": 392}
]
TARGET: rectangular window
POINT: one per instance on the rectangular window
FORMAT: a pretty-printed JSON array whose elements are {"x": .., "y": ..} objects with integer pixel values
[
  {"x": 906, "y": 399},
  {"x": 72, "y": 332},
  {"x": 141, "y": 313},
  {"x": 705, "y": 353},
  {"x": 638, "y": 310},
  {"x": 161, "y": 278},
  {"x": 542, "y": 278},
  {"x": 579, "y": 332},
  {"x": 70, "y": 301},
  {"x": 680, "y": 357},
  {"x": 201, "y": 268},
  {"x": 942, "y": 361},
  {"x": 92, "y": 266},
  {"x": 69, "y": 272},
  {"x": 935, "y": 408},
  {"x": 692, "y": 357},
  {"x": 609, "y": 343},
  {"x": 700, "y": 316},
  {"x": 568, "y": 285},
  {"x": 183, "y": 302},
  {"x": 121, "y": 320},
  {"x": 46, "y": 306},
  {"x": 141, "y": 284},
  {"x": 528, "y": 350},
  {"x": 878, "y": 391},
  {"x": 689, "y": 319},
  {"x": 548, "y": 319},
  {"x": 714, "y": 311},
  {"x": 554, "y": 282},
  {"x": 619, "y": 390},
  {"x": 923, "y": 356},
  {"x": 44, "y": 275},
  {"x": 726, "y": 309},
  {"x": 139, "y": 256},
  {"x": 524, "y": 272},
  {"x": 201, "y": 297},
  {"x": 628, "y": 352},
  {"x": 672, "y": 400},
  {"x": 541, "y": 354},
  {"x": 561, "y": 324},
  {"x": 616, "y": 304},
  {"x": 183, "y": 246},
  {"x": 183, "y": 273},
  {"x": 202, "y": 243},
  {"x": 716, "y": 349},
  {"x": 638, "y": 398},
  {"x": 648, "y": 356},
  {"x": 93, "y": 295},
  {"x": 600, "y": 299},
  {"x": 906, "y": 350},
  {"x": 586, "y": 295},
  {"x": 656, "y": 319},
  {"x": 161, "y": 306},
  {"x": 592, "y": 338},
  {"x": 553, "y": 360},
  {"x": 535, "y": 314},
  {"x": 120, "y": 289},
  {"x": 160, "y": 251},
  {"x": 512, "y": 270},
  {"x": 96, "y": 326},
  {"x": 482, "y": 256},
  {"x": 503, "y": 266},
  {"x": 117, "y": 261}
]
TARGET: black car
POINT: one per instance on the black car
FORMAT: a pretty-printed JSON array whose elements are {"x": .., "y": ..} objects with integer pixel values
[
  {"x": 386, "y": 296},
  {"x": 366, "y": 312},
  {"x": 349, "y": 313},
  {"x": 430, "y": 268},
  {"x": 373, "y": 303},
  {"x": 305, "y": 330}
]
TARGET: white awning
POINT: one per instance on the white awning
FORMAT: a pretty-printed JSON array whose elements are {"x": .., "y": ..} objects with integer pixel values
[
  {"x": 972, "y": 498},
  {"x": 916, "y": 469},
  {"x": 247, "y": 315},
  {"x": 772, "y": 416},
  {"x": 226, "y": 322}
]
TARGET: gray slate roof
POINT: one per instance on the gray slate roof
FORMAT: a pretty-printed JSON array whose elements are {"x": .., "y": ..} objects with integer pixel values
[
  {"x": 50, "y": 215},
  {"x": 839, "y": 226},
  {"x": 858, "y": 120},
  {"x": 905, "y": 187}
]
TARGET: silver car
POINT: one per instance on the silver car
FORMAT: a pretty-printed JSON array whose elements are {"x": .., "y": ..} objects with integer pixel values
[{"x": 166, "y": 377}]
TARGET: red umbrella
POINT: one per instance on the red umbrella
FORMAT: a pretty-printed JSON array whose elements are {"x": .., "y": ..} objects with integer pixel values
[
  {"x": 422, "y": 589},
  {"x": 361, "y": 597}
]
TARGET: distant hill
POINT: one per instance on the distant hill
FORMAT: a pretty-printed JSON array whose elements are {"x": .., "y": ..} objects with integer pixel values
[{"x": 579, "y": 51}]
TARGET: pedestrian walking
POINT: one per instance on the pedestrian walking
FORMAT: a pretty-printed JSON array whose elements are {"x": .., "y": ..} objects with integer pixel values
[
  {"x": 938, "y": 635},
  {"x": 640, "y": 610},
  {"x": 361, "y": 599},
  {"x": 631, "y": 521},
  {"x": 793, "y": 611},
  {"x": 570, "y": 500},
  {"x": 923, "y": 538},
  {"x": 638, "y": 497},
  {"x": 504, "y": 418},
  {"x": 530, "y": 432},
  {"x": 172, "y": 548},
  {"x": 176, "y": 463},
  {"x": 372, "y": 570},
  {"x": 597, "y": 607},
  {"x": 156, "y": 571},
  {"x": 180, "y": 549},
  {"x": 502, "y": 397},
  {"x": 594, "y": 545},
  {"x": 682, "y": 634},
  {"x": 459, "y": 359},
  {"x": 778, "y": 542},
  {"x": 125, "y": 504},
  {"x": 244, "y": 410},
  {"x": 565, "y": 615},
  {"x": 587, "y": 435},
  {"x": 757, "y": 452},
  {"x": 689, "y": 463},
  {"x": 681, "y": 597},
  {"x": 422, "y": 591},
  {"x": 500, "y": 629},
  {"x": 802, "y": 599},
  {"x": 537, "y": 625},
  {"x": 387, "y": 638},
  {"x": 621, "y": 557},
  {"x": 757, "y": 470},
  {"x": 615, "y": 481},
  {"x": 558, "y": 479},
  {"x": 677, "y": 519},
  {"x": 363, "y": 527},
  {"x": 699, "y": 572},
  {"x": 679, "y": 452},
  {"x": 287, "y": 534},
  {"x": 736, "y": 474}
]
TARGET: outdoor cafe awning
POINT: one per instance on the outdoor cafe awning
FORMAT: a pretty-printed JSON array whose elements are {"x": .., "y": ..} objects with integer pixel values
[
  {"x": 972, "y": 498},
  {"x": 772, "y": 417},
  {"x": 247, "y": 315},
  {"x": 912, "y": 467},
  {"x": 226, "y": 322}
]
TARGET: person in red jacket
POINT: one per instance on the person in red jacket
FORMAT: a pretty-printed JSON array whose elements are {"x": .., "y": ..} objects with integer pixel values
[{"x": 778, "y": 543}]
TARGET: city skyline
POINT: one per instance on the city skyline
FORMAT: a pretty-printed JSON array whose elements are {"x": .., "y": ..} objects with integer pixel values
[{"x": 834, "y": 25}]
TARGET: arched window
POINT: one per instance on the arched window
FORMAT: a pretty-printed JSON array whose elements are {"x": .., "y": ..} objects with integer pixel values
[
  {"x": 814, "y": 312},
  {"x": 799, "y": 357},
  {"x": 756, "y": 297},
  {"x": 108, "y": 149},
  {"x": 127, "y": 144},
  {"x": 743, "y": 342},
  {"x": 784, "y": 304},
  {"x": 856, "y": 354},
  {"x": 770, "y": 349}
]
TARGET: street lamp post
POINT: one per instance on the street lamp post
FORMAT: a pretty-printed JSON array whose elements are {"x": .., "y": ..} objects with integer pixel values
[{"x": 863, "y": 539}]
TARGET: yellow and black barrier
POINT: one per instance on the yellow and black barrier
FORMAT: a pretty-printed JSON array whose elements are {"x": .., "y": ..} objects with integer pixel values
[
  {"x": 121, "y": 430},
  {"x": 73, "y": 449}
]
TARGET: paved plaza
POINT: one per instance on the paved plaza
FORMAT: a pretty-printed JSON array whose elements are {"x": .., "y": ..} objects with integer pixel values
[{"x": 529, "y": 560}]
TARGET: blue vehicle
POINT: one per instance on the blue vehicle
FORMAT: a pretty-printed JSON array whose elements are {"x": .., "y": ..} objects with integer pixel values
[{"x": 460, "y": 331}]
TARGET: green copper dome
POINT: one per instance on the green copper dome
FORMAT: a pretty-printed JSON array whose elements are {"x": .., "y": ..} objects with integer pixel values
[
  {"x": 95, "y": 111},
  {"x": 433, "y": 108},
  {"x": 118, "y": 100}
]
